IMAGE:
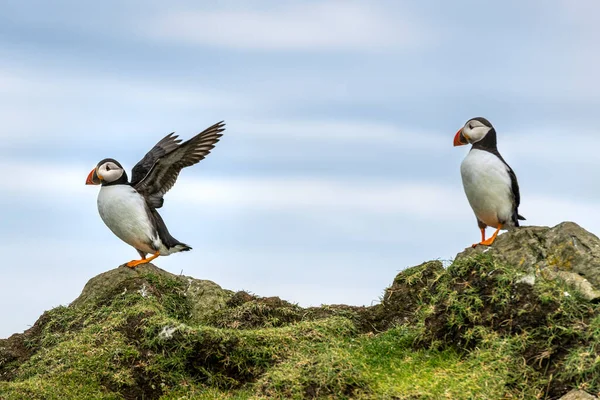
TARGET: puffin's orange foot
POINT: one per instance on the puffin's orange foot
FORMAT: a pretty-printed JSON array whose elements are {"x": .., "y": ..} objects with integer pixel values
[
  {"x": 482, "y": 238},
  {"x": 491, "y": 240},
  {"x": 488, "y": 242},
  {"x": 135, "y": 263},
  {"x": 485, "y": 242}
]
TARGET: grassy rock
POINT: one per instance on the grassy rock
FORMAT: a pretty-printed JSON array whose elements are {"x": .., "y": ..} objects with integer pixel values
[
  {"x": 483, "y": 328},
  {"x": 566, "y": 251},
  {"x": 203, "y": 297},
  {"x": 403, "y": 298},
  {"x": 480, "y": 304}
]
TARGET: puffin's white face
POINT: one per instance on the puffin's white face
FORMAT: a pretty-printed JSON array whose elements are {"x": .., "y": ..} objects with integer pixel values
[
  {"x": 473, "y": 131},
  {"x": 109, "y": 172},
  {"x": 106, "y": 171}
]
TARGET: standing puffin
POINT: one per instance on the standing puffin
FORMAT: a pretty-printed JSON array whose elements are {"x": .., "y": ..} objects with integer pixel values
[
  {"x": 129, "y": 208},
  {"x": 490, "y": 184}
]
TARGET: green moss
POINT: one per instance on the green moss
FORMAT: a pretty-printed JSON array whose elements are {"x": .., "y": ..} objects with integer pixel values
[
  {"x": 247, "y": 311},
  {"x": 474, "y": 330},
  {"x": 396, "y": 370},
  {"x": 171, "y": 293}
]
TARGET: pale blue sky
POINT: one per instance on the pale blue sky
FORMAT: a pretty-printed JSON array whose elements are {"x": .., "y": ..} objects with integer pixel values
[{"x": 337, "y": 168}]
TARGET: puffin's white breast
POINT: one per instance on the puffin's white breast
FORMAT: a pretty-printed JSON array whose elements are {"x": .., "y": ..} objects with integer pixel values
[
  {"x": 123, "y": 210},
  {"x": 488, "y": 188}
]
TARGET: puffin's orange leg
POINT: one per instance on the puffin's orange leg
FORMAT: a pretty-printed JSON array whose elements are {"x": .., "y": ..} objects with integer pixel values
[
  {"x": 482, "y": 237},
  {"x": 144, "y": 260},
  {"x": 491, "y": 240}
]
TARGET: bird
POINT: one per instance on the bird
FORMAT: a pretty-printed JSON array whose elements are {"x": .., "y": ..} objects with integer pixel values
[
  {"x": 489, "y": 182},
  {"x": 129, "y": 208}
]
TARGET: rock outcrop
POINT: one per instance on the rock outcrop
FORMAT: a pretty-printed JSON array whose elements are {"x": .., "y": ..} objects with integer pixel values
[
  {"x": 204, "y": 297},
  {"x": 566, "y": 252}
]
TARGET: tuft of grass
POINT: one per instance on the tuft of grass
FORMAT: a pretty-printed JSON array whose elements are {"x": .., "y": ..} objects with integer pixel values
[{"x": 245, "y": 311}]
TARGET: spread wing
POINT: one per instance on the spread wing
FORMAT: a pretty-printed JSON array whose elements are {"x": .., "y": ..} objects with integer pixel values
[
  {"x": 166, "y": 145},
  {"x": 166, "y": 164}
]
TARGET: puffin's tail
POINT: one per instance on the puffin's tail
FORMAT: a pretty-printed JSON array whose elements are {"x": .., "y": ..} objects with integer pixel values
[
  {"x": 516, "y": 217},
  {"x": 169, "y": 241},
  {"x": 179, "y": 247}
]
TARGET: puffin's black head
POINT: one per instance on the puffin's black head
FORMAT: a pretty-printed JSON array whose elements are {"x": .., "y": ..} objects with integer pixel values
[
  {"x": 476, "y": 130},
  {"x": 107, "y": 172}
]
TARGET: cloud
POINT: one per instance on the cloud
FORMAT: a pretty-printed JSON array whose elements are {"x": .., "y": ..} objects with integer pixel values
[
  {"x": 108, "y": 112},
  {"x": 561, "y": 147},
  {"x": 56, "y": 181},
  {"x": 349, "y": 206},
  {"x": 258, "y": 193},
  {"x": 344, "y": 132},
  {"x": 547, "y": 210},
  {"x": 581, "y": 55},
  {"x": 313, "y": 194},
  {"x": 584, "y": 14},
  {"x": 327, "y": 25},
  {"x": 50, "y": 106},
  {"x": 46, "y": 86}
]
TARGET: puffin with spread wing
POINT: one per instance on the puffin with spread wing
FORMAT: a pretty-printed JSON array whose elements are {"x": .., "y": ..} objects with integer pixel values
[{"x": 129, "y": 208}]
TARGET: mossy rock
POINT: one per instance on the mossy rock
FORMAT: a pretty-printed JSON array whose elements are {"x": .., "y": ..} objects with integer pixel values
[
  {"x": 402, "y": 300},
  {"x": 565, "y": 251},
  {"x": 481, "y": 303},
  {"x": 246, "y": 311},
  {"x": 197, "y": 297}
]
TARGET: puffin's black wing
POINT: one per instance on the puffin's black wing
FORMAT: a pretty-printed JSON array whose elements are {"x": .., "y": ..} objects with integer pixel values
[
  {"x": 164, "y": 172},
  {"x": 516, "y": 195},
  {"x": 166, "y": 145},
  {"x": 515, "y": 187}
]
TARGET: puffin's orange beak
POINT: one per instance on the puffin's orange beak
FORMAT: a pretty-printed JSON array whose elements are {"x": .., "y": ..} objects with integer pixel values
[
  {"x": 93, "y": 178},
  {"x": 459, "y": 139}
]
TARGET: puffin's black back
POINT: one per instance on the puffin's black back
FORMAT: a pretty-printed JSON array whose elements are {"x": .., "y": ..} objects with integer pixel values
[{"x": 490, "y": 144}]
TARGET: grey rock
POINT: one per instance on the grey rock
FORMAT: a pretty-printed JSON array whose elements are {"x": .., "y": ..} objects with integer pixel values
[
  {"x": 204, "y": 296},
  {"x": 578, "y": 395},
  {"x": 566, "y": 251}
]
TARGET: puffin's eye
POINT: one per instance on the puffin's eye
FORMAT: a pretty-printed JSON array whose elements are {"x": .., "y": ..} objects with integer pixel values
[
  {"x": 471, "y": 126},
  {"x": 108, "y": 167}
]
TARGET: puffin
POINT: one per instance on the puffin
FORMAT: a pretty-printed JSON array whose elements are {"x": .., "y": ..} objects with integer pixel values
[
  {"x": 489, "y": 182},
  {"x": 129, "y": 208}
]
